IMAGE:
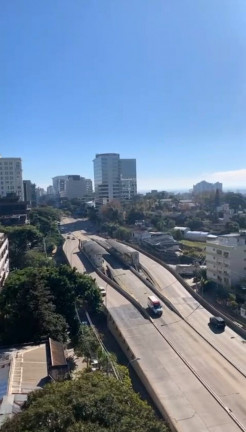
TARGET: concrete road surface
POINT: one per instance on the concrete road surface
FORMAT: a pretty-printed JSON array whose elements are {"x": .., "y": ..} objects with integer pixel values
[{"x": 187, "y": 400}]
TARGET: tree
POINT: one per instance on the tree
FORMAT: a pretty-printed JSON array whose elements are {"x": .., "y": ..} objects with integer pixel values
[
  {"x": 93, "y": 215},
  {"x": 177, "y": 234},
  {"x": 217, "y": 198},
  {"x": 194, "y": 223},
  {"x": 87, "y": 345},
  {"x": 28, "y": 312},
  {"x": 45, "y": 219},
  {"x": 134, "y": 215},
  {"x": 112, "y": 212},
  {"x": 21, "y": 239},
  {"x": 34, "y": 258},
  {"x": 91, "y": 403},
  {"x": 231, "y": 227},
  {"x": 241, "y": 220},
  {"x": 123, "y": 233},
  {"x": 54, "y": 289},
  {"x": 45, "y": 212},
  {"x": 236, "y": 200}
]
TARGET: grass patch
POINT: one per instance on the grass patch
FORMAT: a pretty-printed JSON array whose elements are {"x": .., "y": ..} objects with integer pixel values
[{"x": 193, "y": 244}]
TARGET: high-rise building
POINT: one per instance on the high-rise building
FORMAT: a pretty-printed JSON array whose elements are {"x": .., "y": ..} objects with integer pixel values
[
  {"x": 128, "y": 178},
  {"x": 29, "y": 190},
  {"x": 114, "y": 178},
  {"x": 72, "y": 186},
  {"x": 88, "y": 187},
  {"x": 59, "y": 184},
  {"x": 106, "y": 177},
  {"x": 50, "y": 190},
  {"x": 11, "y": 177},
  {"x": 203, "y": 187}
]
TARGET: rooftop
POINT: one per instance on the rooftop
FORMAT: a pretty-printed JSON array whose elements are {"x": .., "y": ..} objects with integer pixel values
[{"x": 21, "y": 371}]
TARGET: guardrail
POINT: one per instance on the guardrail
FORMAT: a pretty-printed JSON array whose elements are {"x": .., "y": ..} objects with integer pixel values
[
  {"x": 194, "y": 294},
  {"x": 118, "y": 288},
  {"x": 156, "y": 291}
]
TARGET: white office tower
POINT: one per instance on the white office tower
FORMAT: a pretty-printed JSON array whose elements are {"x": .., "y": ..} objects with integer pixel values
[
  {"x": 4, "y": 259},
  {"x": 107, "y": 177},
  {"x": 128, "y": 179},
  {"x": 11, "y": 177},
  {"x": 72, "y": 186},
  {"x": 59, "y": 184}
]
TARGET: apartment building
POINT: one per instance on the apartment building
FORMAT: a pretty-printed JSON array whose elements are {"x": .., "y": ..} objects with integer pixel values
[
  {"x": 114, "y": 178},
  {"x": 72, "y": 186},
  {"x": 4, "y": 259},
  {"x": 226, "y": 259},
  {"x": 203, "y": 187},
  {"x": 11, "y": 177}
]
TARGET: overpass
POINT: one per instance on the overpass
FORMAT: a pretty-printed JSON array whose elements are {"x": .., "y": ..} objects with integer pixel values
[{"x": 195, "y": 386}]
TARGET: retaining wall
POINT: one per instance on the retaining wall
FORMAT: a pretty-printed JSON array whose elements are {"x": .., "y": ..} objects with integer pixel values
[{"x": 194, "y": 294}]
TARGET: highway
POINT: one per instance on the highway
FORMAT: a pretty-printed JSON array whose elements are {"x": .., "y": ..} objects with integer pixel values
[
  {"x": 200, "y": 389},
  {"x": 224, "y": 379},
  {"x": 228, "y": 342}
]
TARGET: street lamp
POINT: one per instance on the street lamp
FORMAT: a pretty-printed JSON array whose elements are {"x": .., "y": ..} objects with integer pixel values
[{"x": 133, "y": 360}]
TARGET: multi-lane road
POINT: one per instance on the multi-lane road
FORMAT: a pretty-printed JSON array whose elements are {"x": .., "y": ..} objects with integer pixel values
[{"x": 194, "y": 374}]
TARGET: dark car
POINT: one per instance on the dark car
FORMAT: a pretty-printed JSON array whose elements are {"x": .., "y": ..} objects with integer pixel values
[{"x": 217, "y": 322}]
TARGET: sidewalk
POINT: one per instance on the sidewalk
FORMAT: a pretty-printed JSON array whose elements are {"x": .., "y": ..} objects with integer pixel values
[{"x": 79, "y": 361}]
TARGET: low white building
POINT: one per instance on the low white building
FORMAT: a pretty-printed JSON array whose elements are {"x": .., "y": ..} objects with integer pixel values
[
  {"x": 226, "y": 259},
  {"x": 199, "y": 236},
  {"x": 161, "y": 241},
  {"x": 4, "y": 259}
]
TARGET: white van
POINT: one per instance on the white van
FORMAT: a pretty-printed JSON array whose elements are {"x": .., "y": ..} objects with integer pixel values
[{"x": 154, "y": 305}]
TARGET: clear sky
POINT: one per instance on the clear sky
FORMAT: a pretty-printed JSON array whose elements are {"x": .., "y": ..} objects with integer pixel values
[{"x": 163, "y": 81}]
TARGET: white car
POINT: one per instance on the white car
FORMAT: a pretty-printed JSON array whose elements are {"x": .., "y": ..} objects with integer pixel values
[
  {"x": 94, "y": 365},
  {"x": 102, "y": 291}
]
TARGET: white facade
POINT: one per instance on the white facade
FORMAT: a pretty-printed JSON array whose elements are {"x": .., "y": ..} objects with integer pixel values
[
  {"x": 11, "y": 177},
  {"x": 72, "y": 186},
  {"x": 199, "y": 236},
  {"x": 204, "y": 186},
  {"x": 114, "y": 178},
  {"x": 50, "y": 190},
  {"x": 59, "y": 184},
  {"x": 107, "y": 177},
  {"x": 226, "y": 259},
  {"x": 4, "y": 258}
]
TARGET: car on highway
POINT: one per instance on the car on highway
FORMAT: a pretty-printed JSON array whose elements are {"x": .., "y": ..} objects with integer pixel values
[
  {"x": 154, "y": 305},
  {"x": 217, "y": 321},
  {"x": 102, "y": 291}
]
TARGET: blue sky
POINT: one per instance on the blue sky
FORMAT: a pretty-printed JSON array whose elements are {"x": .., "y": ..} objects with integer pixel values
[{"x": 160, "y": 80}]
